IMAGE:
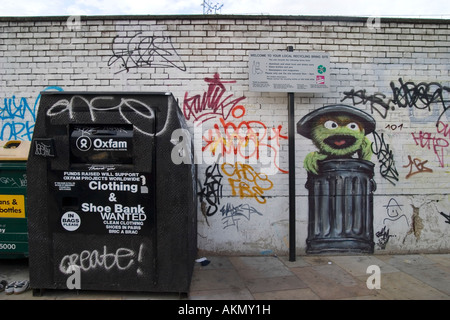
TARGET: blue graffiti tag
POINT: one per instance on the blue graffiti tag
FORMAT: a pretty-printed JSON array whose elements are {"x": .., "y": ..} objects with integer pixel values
[{"x": 18, "y": 118}]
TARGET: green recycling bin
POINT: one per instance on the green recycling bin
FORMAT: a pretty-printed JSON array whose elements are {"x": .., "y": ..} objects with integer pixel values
[{"x": 13, "y": 194}]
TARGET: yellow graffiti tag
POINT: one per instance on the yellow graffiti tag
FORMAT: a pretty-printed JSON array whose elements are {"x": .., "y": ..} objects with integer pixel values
[{"x": 246, "y": 182}]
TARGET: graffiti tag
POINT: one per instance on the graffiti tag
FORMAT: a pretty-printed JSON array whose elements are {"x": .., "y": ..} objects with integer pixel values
[
  {"x": 386, "y": 158},
  {"x": 231, "y": 215},
  {"x": 212, "y": 103},
  {"x": 17, "y": 117},
  {"x": 211, "y": 191},
  {"x": 405, "y": 95},
  {"x": 144, "y": 51},
  {"x": 246, "y": 182}
]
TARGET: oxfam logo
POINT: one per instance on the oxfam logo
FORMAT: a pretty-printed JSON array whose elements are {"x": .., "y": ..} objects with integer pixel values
[
  {"x": 321, "y": 69},
  {"x": 84, "y": 143}
]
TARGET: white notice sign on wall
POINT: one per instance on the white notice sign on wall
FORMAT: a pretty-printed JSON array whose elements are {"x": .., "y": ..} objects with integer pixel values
[{"x": 283, "y": 71}]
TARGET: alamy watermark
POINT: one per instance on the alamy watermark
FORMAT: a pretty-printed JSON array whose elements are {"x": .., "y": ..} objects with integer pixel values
[
  {"x": 374, "y": 280},
  {"x": 73, "y": 23},
  {"x": 252, "y": 147},
  {"x": 74, "y": 280},
  {"x": 373, "y": 23}
]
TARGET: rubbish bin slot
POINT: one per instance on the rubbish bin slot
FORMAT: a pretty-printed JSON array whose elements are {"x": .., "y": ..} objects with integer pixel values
[
  {"x": 105, "y": 132},
  {"x": 12, "y": 144},
  {"x": 101, "y": 144}
]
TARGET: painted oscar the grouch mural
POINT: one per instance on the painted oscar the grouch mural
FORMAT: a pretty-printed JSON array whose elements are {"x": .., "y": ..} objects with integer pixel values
[
  {"x": 340, "y": 180},
  {"x": 339, "y": 132}
]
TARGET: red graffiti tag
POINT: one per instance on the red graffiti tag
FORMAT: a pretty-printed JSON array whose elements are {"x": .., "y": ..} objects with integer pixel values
[
  {"x": 427, "y": 140},
  {"x": 213, "y": 103}
]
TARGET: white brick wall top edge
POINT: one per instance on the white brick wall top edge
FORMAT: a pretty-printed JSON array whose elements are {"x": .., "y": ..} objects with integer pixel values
[{"x": 327, "y": 20}]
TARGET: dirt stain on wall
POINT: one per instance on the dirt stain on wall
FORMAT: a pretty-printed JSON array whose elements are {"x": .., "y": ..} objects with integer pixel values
[{"x": 416, "y": 225}]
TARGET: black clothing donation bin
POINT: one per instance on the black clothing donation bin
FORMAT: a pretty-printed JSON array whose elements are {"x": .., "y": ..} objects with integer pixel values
[{"x": 108, "y": 207}]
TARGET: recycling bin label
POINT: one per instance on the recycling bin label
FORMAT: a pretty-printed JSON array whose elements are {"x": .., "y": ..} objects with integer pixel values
[
  {"x": 104, "y": 202},
  {"x": 12, "y": 206}
]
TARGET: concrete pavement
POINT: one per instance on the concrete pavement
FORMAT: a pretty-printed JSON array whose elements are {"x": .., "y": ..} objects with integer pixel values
[{"x": 310, "y": 277}]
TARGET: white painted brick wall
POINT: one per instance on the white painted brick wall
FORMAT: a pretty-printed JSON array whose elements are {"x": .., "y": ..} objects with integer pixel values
[{"x": 40, "y": 53}]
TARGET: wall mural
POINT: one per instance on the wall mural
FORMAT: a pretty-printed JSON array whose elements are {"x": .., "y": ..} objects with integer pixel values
[
  {"x": 426, "y": 102},
  {"x": 245, "y": 153},
  {"x": 426, "y": 105},
  {"x": 239, "y": 190},
  {"x": 340, "y": 179}
]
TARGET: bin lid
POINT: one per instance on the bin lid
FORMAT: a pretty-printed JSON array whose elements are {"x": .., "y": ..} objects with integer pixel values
[
  {"x": 305, "y": 125},
  {"x": 14, "y": 150}
]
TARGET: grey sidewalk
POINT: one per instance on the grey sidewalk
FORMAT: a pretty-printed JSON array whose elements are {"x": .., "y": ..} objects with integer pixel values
[{"x": 336, "y": 277}]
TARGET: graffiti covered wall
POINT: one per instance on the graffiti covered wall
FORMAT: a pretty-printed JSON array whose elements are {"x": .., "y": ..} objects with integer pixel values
[{"x": 397, "y": 73}]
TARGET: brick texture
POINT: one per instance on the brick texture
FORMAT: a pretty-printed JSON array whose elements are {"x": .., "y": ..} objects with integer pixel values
[{"x": 398, "y": 71}]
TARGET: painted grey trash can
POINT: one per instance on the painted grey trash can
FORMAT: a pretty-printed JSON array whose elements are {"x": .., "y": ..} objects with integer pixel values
[
  {"x": 107, "y": 203},
  {"x": 341, "y": 207}
]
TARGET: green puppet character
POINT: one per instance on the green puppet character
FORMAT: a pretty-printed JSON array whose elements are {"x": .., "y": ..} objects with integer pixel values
[{"x": 339, "y": 132}]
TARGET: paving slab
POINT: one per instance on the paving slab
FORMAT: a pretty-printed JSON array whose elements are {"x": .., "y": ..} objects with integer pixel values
[
  {"x": 214, "y": 279},
  {"x": 402, "y": 286},
  {"x": 357, "y": 265},
  {"x": 442, "y": 259},
  {"x": 332, "y": 282},
  {"x": 275, "y": 284},
  {"x": 299, "y": 262},
  {"x": 260, "y": 267},
  {"x": 424, "y": 269}
]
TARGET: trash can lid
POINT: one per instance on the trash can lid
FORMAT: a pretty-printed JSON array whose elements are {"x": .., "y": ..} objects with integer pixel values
[
  {"x": 304, "y": 126},
  {"x": 14, "y": 150}
]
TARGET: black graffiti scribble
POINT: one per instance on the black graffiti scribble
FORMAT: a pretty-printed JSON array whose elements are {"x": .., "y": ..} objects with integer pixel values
[
  {"x": 231, "y": 214},
  {"x": 376, "y": 100},
  {"x": 393, "y": 210},
  {"x": 211, "y": 191},
  {"x": 420, "y": 96},
  {"x": 446, "y": 216},
  {"x": 386, "y": 158},
  {"x": 141, "y": 51},
  {"x": 407, "y": 94},
  {"x": 383, "y": 237}
]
